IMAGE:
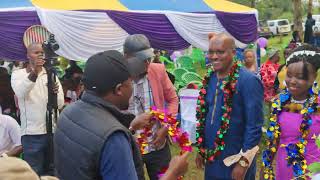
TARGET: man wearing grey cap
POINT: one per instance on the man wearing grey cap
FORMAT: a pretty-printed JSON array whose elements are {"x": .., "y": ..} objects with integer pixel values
[
  {"x": 151, "y": 88},
  {"x": 92, "y": 140}
]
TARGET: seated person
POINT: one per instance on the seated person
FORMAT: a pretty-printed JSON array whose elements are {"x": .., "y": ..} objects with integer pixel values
[
  {"x": 6, "y": 94},
  {"x": 10, "y": 144}
]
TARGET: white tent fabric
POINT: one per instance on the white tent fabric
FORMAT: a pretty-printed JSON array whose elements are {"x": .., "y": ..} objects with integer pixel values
[
  {"x": 194, "y": 28},
  {"x": 81, "y": 34}
]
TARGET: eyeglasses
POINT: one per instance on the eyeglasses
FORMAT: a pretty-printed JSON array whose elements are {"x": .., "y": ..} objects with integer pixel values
[{"x": 218, "y": 53}]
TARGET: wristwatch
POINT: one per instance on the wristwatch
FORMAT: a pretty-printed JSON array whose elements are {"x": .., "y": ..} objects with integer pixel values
[
  {"x": 243, "y": 163},
  {"x": 132, "y": 130}
]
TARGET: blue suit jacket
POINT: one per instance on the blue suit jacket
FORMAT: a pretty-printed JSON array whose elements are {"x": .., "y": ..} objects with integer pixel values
[{"x": 245, "y": 124}]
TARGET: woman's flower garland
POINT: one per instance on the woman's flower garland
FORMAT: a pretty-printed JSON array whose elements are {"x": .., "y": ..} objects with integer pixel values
[
  {"x": 174, "y": 132},
  {"x": 228, "y": 87},
  {"x": 295, "y": 151}
]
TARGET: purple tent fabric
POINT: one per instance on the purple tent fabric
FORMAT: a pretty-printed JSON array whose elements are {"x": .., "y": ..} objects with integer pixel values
[
  {"x": 13, "y": 24},
  {"x": 156, "y": 27},
  {"x": 241, "y": 26}
]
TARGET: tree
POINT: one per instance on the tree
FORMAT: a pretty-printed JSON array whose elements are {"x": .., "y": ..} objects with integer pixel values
[
  {"x": 310, "y": 6},
  {"x": 253, "y": 3},
  {"x": 297, "y": 16}
]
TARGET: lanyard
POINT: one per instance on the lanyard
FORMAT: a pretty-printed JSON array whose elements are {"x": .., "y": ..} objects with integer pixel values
[{"x": 138, "y": 100}]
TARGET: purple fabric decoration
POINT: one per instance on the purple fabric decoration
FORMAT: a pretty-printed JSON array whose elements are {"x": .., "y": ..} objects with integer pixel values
[
  {"x": 241, "y": 26},
  {"x": 13, "y": 24},
  {"x": 156, "y": 27}
]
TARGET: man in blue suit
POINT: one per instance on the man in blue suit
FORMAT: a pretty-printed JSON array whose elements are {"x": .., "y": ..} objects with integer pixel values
[{"x": 236, "y": 130}]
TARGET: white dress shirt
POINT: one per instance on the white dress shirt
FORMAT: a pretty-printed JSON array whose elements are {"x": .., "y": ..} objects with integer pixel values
[{"x": 32, "y": 100}]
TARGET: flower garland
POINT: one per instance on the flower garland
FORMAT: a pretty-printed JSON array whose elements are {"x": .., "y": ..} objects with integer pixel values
[
  {"x": 295, "y": 151},
  {"x": 174, "y": 132},
  {"x": 228, "y": 87}
]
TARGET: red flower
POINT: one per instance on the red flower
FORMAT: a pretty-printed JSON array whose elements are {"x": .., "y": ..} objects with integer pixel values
[{"x": 203, "y": 91}]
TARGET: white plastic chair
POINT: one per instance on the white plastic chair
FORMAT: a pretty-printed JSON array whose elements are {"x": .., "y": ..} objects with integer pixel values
[{"x": 188, "y": 105}]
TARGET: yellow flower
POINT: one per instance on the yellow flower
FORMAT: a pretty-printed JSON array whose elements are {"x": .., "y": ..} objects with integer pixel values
[
  {"x": 299, "y": 145},
  {"x": 274, "y": 105},
  {"x": 268, "y": 143},
  {"x": 271, "y": 128},
  {"x": 303, "y": 111},
  {"x": 304, "y": 167},
  {"x": 301, "y": 151},
  {"x": 305, "y": 142},
  {"x": 266, "y": 176},
  {"x": 273, "y": 149}
]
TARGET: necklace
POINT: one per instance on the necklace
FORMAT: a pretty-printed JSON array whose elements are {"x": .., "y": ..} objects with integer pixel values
[
  {"x": 295, "y": 151},
  {"x": 228, "y": 86},
  {"x": 298, "y": 102}
]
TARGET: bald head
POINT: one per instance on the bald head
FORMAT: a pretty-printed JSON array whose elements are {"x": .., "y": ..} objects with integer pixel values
[
  {"x": 223, "y": 38},
  {"x": 221, "y": 52}
]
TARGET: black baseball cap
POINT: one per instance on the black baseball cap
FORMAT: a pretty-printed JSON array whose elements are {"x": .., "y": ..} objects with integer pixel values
[{"x": 104, "y": 70}]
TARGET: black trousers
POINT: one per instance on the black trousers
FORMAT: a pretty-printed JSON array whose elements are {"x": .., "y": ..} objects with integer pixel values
[{"x": 156, "y": 160}]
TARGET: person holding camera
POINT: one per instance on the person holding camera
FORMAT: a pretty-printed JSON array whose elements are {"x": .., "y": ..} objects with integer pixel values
[{"x": 31, "y": 88}]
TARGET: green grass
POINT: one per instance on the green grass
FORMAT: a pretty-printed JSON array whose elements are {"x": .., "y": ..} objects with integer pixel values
[
  {"x": 193, "y": 172},
  {"x": 278, "y": 42}
]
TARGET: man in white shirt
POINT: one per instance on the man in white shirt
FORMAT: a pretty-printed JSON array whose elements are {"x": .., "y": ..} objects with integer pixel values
[
  {"x": 10, "y": 144},
  {"x": 30, "y": 87}
]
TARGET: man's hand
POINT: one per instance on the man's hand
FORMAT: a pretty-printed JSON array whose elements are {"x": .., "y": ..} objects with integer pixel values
[
  {"x": 141, "y": 121},
  {"x": 238, "y": 172},
  {"x": 178, "y": 167},
  {"x": 200, "y": 161},
  {"x": 160, "y": 137}
]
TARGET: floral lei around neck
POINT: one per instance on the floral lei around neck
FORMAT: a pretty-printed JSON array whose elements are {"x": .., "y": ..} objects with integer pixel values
[
  {"x": 228, "y": 87},
  {"x": 295, "y": 151}
]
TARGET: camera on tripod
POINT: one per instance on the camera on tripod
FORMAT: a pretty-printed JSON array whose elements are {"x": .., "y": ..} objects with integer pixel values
[{"x": 49, "y": 48}]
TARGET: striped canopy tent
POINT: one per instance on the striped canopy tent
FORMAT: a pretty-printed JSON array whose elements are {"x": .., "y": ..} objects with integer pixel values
[{"x": 84, "y": 27}]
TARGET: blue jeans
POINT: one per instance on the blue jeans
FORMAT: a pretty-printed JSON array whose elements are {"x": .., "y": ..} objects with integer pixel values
[{"x": 38, "y": 152}]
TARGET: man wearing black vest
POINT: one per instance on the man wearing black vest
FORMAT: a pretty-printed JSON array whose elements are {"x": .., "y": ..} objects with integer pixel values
[{"x": 93, "y": 140}]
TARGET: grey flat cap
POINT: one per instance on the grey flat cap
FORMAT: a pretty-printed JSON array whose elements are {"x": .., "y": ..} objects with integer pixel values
[
  {"x": 272, "y": 52},
  {"x": 138, "y": 45}
]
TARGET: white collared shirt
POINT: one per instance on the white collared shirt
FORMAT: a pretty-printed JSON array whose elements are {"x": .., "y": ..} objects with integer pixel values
[
  {"x": 9, "y": 133},
  {"x": 32, "y": 100}
]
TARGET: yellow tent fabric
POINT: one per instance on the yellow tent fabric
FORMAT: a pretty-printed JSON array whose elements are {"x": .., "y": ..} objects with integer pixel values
[
  {"x": 227, "y": 6},
  {"x": 79, "y": 4},
  {"x": 218, "y": 5}
]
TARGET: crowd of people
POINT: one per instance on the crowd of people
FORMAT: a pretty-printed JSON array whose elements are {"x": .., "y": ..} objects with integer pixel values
[{"x": 105, "y": 109}]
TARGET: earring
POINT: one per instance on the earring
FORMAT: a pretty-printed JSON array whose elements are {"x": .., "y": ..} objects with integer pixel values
[{"x": 313, "y": 88}]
